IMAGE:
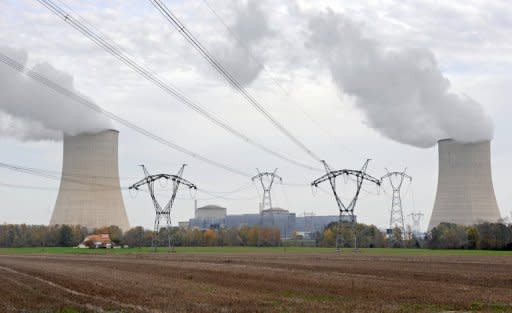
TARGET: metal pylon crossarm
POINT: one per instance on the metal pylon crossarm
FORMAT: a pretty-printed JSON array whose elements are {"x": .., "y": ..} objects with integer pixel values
[
  {"x": 345, "y": 209},
  {"x": 162, "y": 213},
  {"x": 266, "y": 180}
]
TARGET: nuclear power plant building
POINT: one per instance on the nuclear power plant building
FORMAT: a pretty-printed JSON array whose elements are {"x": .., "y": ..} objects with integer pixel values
[
  {"x": 90, "y": 193},
  {"x": 213, "y": 216},
  {"x": 465, "y": 192}
]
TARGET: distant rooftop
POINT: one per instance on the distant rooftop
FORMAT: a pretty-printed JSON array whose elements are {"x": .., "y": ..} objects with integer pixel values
[{"x": 211, "y": 207}]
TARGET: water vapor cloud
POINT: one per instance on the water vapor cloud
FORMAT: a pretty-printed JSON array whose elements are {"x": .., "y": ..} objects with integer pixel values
[
  {"x": 31, "y": 112},
  {"x": 401, "y": 91},
  {"x": 249, "y": 28}
]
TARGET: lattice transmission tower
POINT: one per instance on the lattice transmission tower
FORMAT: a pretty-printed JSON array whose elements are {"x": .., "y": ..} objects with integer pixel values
[
  {"x": 416, "y": 221},
  {"x": 309, "y": 224},
  {"x": 396, "y": 180},
  {"x": 346, "y": 211},
  {"x": 163, "y": 213},
  {"x": 267, "y": 181}
]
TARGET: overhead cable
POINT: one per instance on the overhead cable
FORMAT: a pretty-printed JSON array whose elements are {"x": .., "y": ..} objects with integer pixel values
[
  {"x": 313, "y": 120},
  {"x": 88, "y": 104},
  {"x": 111, "y": 48},
  {"x": 79, "y": 179},
  {"x": 243, "y": 44},
  {"x": 176, "y": 23}
]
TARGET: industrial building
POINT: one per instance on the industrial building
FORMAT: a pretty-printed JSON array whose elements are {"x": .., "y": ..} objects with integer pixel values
[
  {"x": 90, "y": 193},
  {"x": 212, "y": 216},
  {"x": 210, "y": 211},
  {"x": 465, "y": 192},
  {"x": 314, "y": 223},
  {"x": 279, "y": 218}
]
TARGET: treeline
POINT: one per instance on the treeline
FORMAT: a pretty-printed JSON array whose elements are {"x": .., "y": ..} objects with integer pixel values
[
  {"x": 244, "y": 236},
  {"x": 487, "y": 236},
  {"x": 70, "y": 236},
  {"x": 41, "y": 236},
  {"x": 366, "y": 236},
  {"x": 492, "y": 236}
]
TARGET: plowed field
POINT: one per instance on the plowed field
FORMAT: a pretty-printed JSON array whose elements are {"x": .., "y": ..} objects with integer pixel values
[{"x": 260, "y": 282}]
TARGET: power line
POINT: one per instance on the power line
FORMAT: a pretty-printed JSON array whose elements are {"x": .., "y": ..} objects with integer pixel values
[
  {"x": 15, "y": 186},
  {"x": 70, "y": 94},
  {"x": 241, "y": 42},
  {"x": 217, "y": 196},
  {"x": 314, "y": 121},
  {"x": 79, "y": 179},
  {"x": 233, "y": 191},
  {"x": 42, "y": 188},
  {"x": 153, "y": 78},
  {"x": 175, "y": 22},
  {"x": 49, "y": 175}
]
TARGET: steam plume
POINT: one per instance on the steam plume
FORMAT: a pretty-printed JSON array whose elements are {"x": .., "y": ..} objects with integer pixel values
[
  {"x": 250, "y": 27},
  {"x": 30, "y": 111},
  {"x": 401, "y": 91}
]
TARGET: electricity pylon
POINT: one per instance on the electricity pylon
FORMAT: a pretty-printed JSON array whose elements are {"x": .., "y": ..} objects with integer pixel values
[
  {"x": 396, "y": 180},
  {"x": 266, "y": 185},
  {"x": 267, "y": 181},
  {"x": 346, "y": 210},
  {"x": 416, "y": 221},
  {"x": 309, "y": 225},
  {"x": 162, "y": 213}
]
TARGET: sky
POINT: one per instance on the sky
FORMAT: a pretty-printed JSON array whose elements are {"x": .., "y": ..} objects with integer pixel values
[{"x": 350, "y": 79}]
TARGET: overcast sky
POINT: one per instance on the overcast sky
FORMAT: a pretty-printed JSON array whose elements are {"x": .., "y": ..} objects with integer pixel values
[{"x": 302, "y": 61}]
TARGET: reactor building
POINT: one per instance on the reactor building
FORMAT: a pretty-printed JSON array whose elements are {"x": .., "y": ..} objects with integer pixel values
[
  {"x": 216, "y": 217},
  {"x": 465, "y": 193},
  {"x": 90, "y": 193}
]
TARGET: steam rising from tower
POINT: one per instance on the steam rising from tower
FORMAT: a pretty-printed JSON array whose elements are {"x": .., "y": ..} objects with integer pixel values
[
  {"x": 30, "y": 111},
  {"x": 90, "y": 193},
  {"x": 401, "y": 91},
  {"x": 465, "y": 193}
]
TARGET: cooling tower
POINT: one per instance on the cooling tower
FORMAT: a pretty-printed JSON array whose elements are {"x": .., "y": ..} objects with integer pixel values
[
  {"x": 465, "y": 193},
  {"x": 90, "y": 193}
]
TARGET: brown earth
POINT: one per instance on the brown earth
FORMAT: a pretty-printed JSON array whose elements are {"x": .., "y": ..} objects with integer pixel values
[{"x": 254, "y": 283}]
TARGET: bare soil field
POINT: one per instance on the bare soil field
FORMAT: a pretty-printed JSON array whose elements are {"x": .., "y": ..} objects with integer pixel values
[{"x": 274, "y": 282}]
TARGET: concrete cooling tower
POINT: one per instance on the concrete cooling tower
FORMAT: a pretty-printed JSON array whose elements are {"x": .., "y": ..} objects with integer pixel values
[
  {"x": 90, "y": 193},
  {"x": 465, "y": 193}
]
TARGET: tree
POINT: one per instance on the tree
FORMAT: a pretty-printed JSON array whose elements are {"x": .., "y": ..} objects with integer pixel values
[
  {"x": 473, "y": 238},
  {"x": 244, "y": 235},
  {"x": 368, "y": 236},
  {"x": 396, "y": 237},
  {"x": 65, "y": 236},
  {"x": 253, "y": 236},
  {"x": 328, "y": 238},
  {"x": 447, "y": 236},
  {"x": 134, "y": 237},
  {"x": 210, "y": 237}
]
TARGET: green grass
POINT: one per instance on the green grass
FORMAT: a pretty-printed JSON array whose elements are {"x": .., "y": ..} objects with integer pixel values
[{"x": 222, "y": 250}]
